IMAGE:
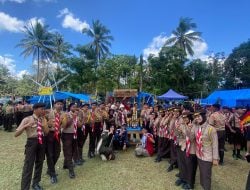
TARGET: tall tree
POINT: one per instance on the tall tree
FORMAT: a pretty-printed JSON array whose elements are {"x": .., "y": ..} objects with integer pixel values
[
  {"x": 101, "y": 39},
  {"x": 237, "y": 67},
  {"x": 37, "y": 42},
  {"x": 184, "y": 36}
]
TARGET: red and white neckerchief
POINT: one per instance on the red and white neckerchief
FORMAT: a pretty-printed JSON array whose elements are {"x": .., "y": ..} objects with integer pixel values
[
  {"x": 187, "y": 146},
  {"x": 39, "y": 131},
  {"x": 199, "y": 142},
  {"x": 57, "y": 126},
  {"x": 75, "y": 126},
  {"x": 93, "y": 120}
]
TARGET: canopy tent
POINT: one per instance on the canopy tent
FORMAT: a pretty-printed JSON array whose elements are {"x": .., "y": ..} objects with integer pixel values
[
  {"x": 230, "y": 98},
  {"x": 172, "y": 95},
  {"x": 145, "y": 98},
  {"x": 59, "y": 96}
]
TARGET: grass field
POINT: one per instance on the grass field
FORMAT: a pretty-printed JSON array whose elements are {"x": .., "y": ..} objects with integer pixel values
[{"x": 125, "y": 173}]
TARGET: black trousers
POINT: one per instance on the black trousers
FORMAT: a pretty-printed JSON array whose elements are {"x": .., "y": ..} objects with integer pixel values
[
  {"x": 53, "y": 149},
  {"x": 181, "y": 162},
  {"x": 69, "y": 150},
  {"x": 95, "y": 136},
  {"x": 80, "y": 142},
  {"x": 19, "y": 118},
  {"x": 9, "y": 121},
  {"x": 205, "y": 173},
  {"x": 248, "y": 182},
  {"x": 191, "y": 168},
  {"x": 163, "y": 147},
  {"x": 173, "y": 153},
  {"x": 34, "y": 154}
]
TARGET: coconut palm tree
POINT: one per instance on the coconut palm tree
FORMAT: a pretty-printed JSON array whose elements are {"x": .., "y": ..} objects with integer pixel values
[
  {"x": 184, "y": 36},
  {"x": 101, "y": 39},
  {"x": 37, "y": 42}
]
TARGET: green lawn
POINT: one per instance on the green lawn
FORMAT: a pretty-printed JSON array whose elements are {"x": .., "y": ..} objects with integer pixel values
[{"x": 125, "y": 173}]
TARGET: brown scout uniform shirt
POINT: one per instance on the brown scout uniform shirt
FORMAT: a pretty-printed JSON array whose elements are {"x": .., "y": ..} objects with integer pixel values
[
  {"x": 209, "y": 142},
  {"x": 217, "y": 120},
  {"x": 51, "y": 119},
  {"x": 31, "y": 131},
  {"x": 70, "y": 127}
]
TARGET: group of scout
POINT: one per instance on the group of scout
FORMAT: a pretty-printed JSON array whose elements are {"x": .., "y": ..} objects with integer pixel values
[
  {"x": 190, "y": 138},
  {"x": 193, "y": 138},
  {"x": 13, "y": 113},
  {"x": 46, "y": 129}
]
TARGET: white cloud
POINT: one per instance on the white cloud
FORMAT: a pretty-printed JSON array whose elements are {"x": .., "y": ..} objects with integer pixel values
[
  {"x": 9, "y": 23},
  {"x": 70, "y": 21},
  {"x": 9, "y": 63},
  {"x": 13, "y": 24},
  {"x": 20, "y": 74},
  {"x": 199, "y": 48},
  {"x": 155, "y": 46}
]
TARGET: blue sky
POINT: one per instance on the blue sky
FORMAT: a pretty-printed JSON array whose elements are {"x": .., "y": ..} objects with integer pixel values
[{"x": 138, "y": 26}]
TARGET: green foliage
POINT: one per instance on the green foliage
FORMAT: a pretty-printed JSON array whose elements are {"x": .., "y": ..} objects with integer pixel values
[{"x": 237, "y": 67}]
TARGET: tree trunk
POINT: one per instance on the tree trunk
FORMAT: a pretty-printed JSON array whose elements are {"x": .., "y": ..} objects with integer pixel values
[{"x": 38, "y": 65}]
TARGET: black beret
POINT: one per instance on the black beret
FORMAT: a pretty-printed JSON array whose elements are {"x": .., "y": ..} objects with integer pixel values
[
  {"x": 216, "y": 106},
  {"x": 94, "y": 103},
  {"x": 85, "y": 104},
  {"x": 39, "y": 105},
  {"x": 59, "y": 100}
]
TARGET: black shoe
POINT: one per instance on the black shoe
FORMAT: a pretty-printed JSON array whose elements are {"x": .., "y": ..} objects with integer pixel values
[
  {"x": 53, "y": 179},
  {"x": 178, "y": 182},
  {"x": 170, "y": 168},
  {"x": 78, "y": 163},
  {"x": 72, "y": 174},
  {"x": 240, "y": 157},
  {"x": 177, "y": 175},
  {"x": 186, "y": 186},
  {"x": 157, "y": 159},
  {"x": 91, "y": 155},
  {"x": 221, "y": 163},
  {"x": 37, "y": 187},
  {"x": 82, "y": 160}
]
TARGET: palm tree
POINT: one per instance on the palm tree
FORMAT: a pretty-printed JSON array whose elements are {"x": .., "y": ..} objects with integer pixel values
[
  {"x": 61, "y": 48},
  {"x": 184, "y": 36},
  {"x": 101, "y": 40},
  {"x": 38, "y": 42}
]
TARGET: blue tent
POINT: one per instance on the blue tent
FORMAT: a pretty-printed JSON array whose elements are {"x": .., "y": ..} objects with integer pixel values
[
  {"x": 59, "y": 96},
  {"x": 147, "y": 97},
  {"x": 230, "y": 98},
  {"x": 172, "y": 95}
]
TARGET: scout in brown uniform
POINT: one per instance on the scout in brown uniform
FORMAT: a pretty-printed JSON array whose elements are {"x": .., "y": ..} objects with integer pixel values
[
  {"x": 180, "y": 147},
  {"x": 9, "y": 116},
  {"x": 172, "y": 127},
  {"x": 218, "y": 120},
  {"x": 235, "y": 127},
  {"x": 19, "y": 113},
  {"x": 96, "y": 128},
  {"x": 69, "y": 138},
  {"x": 206, "y": 148},
  {"x": 83, "y": 132},
  {"x": 35, "y": 126},
  {"x": 53, "y": 147},
  {"x": 190, "y": 159},
  {"x": 80, "y": 138}
]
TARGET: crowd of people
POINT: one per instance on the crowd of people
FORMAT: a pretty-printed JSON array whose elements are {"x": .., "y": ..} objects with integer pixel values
[{"x": 190, "y": 136}]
